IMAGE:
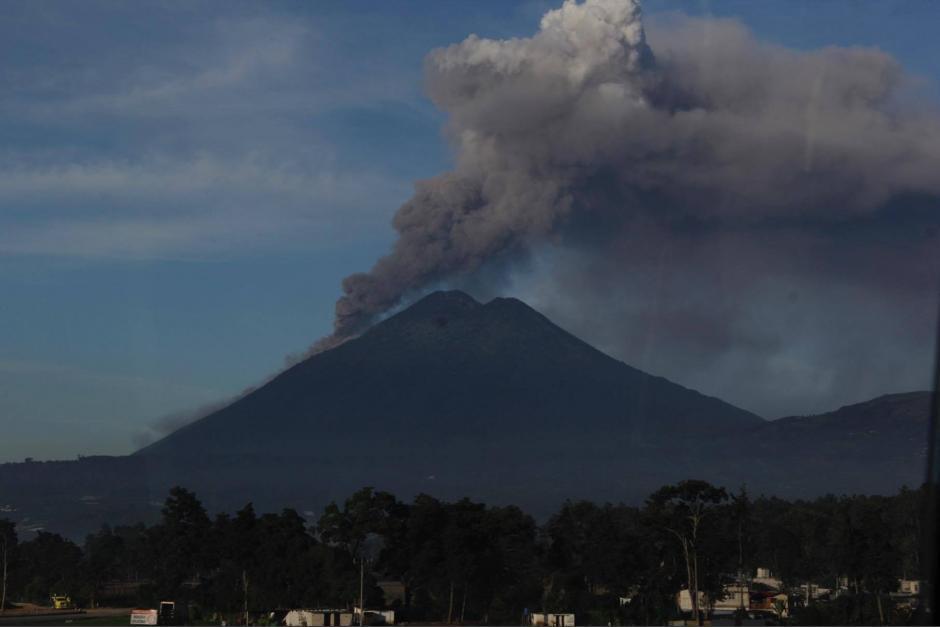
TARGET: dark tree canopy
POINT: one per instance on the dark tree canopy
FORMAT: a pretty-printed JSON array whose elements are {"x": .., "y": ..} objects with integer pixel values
[{"x": 465, "y": 561}]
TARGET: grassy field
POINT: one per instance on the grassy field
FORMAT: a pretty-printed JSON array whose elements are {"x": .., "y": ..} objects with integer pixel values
[
  {"x": 91, "y": 618},
  {"x": 117, "y": 619},
  {"x": 120, "y": 619}
]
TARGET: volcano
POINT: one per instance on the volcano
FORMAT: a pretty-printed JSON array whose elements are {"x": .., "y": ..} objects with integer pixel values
[
  {"x": 453, "y": 397},
  {"x": 449, "y": 373}
]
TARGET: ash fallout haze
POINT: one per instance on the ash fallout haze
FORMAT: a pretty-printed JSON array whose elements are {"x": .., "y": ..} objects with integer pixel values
[{"x": 742, "y": 198}]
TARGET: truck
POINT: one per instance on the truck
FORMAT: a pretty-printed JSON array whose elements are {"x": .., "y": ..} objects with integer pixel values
[{"x": 61, "y": 601}]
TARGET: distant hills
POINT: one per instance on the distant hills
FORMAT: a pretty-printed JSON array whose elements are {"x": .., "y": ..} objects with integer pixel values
[
  {"x": 867, "y": 448},
  {"x": 493, "y": 401}
]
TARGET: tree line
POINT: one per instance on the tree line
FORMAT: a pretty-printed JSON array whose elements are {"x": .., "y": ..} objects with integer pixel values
[{"x": 467, "y": 562}]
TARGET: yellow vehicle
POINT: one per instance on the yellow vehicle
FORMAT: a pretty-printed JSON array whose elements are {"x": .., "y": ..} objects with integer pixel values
[{"x": 61, "y": 601}]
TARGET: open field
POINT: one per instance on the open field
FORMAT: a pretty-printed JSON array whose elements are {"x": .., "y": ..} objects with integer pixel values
[{"x": 44, "y": 616}]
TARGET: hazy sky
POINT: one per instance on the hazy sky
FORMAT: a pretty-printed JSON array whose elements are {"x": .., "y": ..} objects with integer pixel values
[{"x": 184, "y": 185}]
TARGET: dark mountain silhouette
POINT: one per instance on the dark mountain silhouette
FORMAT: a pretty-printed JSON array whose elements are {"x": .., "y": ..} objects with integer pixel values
[
  {"x": 451, "y": 372},
  {"x": 870, "y": 447},
  {"x": 493, "y": 401}
]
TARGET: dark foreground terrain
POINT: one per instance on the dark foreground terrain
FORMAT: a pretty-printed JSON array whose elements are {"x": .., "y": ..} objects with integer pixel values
[{"x": 465, "y": 562}]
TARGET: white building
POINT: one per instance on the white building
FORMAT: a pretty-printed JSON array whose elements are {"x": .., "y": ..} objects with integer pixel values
[
  {"x": 909, "y": 586},
  {"x": 766, "y": 577},
  {"x": 684, "y": 601},
  {"x": 319, "y": 618},
  {"x": 736, "y": 596},
  {"x": 551, "y": 620}
]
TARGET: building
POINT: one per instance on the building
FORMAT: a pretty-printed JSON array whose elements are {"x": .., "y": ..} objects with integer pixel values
[
  {"x": 770, "y": 602},
  {"x": 684, "y": 601},
  {"x": 319, "y": 618},
  {"x": 550, "y": 619},
  {"x": 910, "y": 586},
  {"x": 766, "y": 577},
  {"x": 908, "y": 593},
  {"x": 757, "y": 599},
  {"x": 736, "y": 596},
  {"x": 375, "y": 617},
  {"x": 811, "y": 591}
]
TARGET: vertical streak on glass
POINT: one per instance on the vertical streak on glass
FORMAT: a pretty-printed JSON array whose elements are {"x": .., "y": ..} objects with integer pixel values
[{"x": 931, "y": 542}]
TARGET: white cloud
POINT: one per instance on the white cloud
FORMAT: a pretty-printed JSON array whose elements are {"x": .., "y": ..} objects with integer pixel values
[
  {"x": 252, "y": 66},
  {"x": 204, "y": 206},
  {"x": 200, "y": 145}
]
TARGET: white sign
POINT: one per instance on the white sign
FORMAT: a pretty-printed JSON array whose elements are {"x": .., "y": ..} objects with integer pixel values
[{"x": 144, "y": 617}]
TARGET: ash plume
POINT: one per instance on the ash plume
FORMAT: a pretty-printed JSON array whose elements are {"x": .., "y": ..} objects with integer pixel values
[{"x": 585, "y": 135}]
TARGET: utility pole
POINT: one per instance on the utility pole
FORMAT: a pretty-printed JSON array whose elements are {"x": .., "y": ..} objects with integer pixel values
[
  {"x": 245, "y": 592},
  {"x": 362, "y": 607},
  {"x": 931, "y": 594},
  {"x": 740, "y": 615}
]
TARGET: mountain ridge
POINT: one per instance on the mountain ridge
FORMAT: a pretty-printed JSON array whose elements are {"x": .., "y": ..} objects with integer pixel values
[
  {"x": 492, "y": 401},
  {"x": 501, "y": 358}
]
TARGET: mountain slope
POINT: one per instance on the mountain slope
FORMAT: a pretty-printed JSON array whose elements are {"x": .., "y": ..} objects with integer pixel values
[
  {"x": 451, "y": 371},
  {"x": 870, "y": 447},
  {"x": 492, "y": 401}
]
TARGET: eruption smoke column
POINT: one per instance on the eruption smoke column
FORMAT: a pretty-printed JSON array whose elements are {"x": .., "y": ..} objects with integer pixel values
[
  {"x": 580, "y": 127},
  {"x": 499, "y": 197}
]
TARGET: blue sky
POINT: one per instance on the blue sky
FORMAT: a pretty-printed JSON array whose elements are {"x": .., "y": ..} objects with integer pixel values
[{"x": 184, "y": 185}]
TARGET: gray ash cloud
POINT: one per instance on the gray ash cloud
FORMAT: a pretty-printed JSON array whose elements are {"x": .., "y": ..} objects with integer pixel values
[{"x": 719, "y": 163}]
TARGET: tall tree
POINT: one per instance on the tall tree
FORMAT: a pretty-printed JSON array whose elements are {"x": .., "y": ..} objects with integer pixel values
[
  {"x": 509, "y": 580},
  {"x": 741, "y": 517},
  {"x": 367, "y": 512},
  {"x": 682, "y": 510},
  {"x": 7, "y": 546},
  {"x": 415, "y": 552},
  {"x": 181, "y": 542},
  {"x": 103, "y": 555},
  {"x": 906, "y": 515},
  {"x": 465, "y": 541},
  {"x": 49, "y": 564},
  {"x": 360, "y": 529},
  {"x": 235, "y": 544}
]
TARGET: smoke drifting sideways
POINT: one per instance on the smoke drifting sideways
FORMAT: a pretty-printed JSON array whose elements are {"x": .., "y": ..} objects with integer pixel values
[{"x": 588, "y": 137}]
